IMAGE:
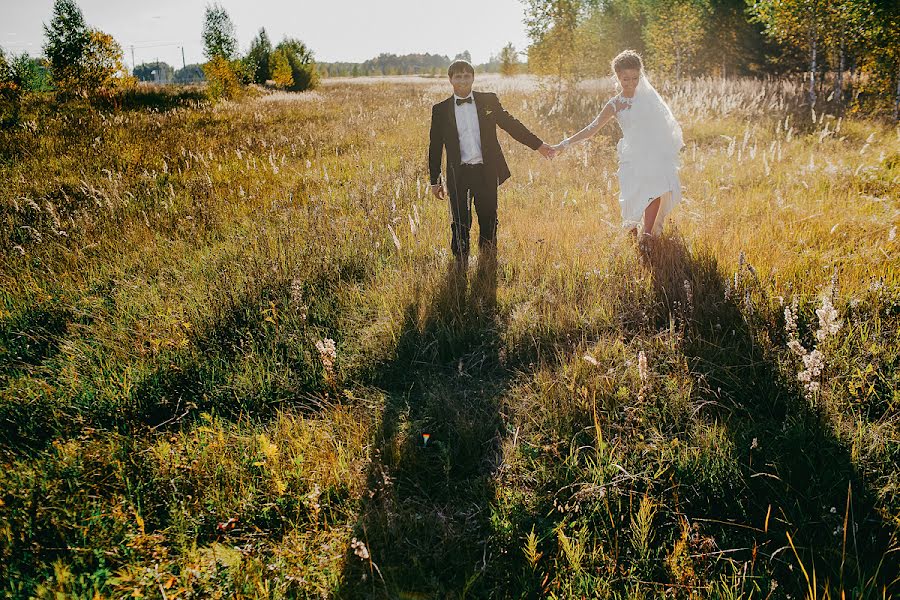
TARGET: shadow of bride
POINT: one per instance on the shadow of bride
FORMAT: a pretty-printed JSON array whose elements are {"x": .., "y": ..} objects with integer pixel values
[
  {"x": 425, "y": 517},
  {"x": 795, "y": 473}
]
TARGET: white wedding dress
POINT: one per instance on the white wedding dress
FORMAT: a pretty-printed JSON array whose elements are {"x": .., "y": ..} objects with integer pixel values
[{"x": 648, "y": 156}]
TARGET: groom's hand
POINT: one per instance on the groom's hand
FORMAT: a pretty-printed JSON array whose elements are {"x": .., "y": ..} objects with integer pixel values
[
  {"x": 547, "y": 151},
  {"x": 437, "y": 191}
]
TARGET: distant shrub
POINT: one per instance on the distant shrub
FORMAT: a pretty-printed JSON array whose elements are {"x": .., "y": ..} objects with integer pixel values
[
  {"x": 19, "y": 75},
  {"x": 304, "y": 73},
  {"x": 104, "y": 66},
  {"x": 223, "y": 78},
  {"x": 259, "y": 58},
  {"x": 9, "y": 90},
  {"x": 280, "y": 68}
]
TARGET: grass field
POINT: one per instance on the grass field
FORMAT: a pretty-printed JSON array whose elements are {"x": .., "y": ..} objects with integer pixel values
[{"x": 716, "y": 417}]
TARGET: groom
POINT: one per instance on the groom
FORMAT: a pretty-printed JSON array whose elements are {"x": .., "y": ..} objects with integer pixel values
[{"x": 466, "y": 124}]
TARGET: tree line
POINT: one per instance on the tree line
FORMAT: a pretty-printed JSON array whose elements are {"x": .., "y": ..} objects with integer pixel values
[
  {"x": 506, "y": 61},
  {"x": 83, "y": 61},
  {"x": 850, "y": 46}
]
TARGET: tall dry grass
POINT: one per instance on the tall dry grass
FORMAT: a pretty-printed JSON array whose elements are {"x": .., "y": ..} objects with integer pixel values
[{"x": 578, "y": 419}]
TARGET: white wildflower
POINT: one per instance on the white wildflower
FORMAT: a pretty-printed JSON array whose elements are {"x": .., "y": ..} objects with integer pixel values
[
  {"x": 796, "y": 347},
  {"x": 828, "y": 321},
  {"x": 297, "y": 291},
  {"x": 790, "y": 321},
  {"x": 642, "y": 366},
  {"x": 689, "y": 295},
  {"x": 359, "y": 549},
  {"x": 814, "y": 363},
  {"x": 328, "y": 354}
]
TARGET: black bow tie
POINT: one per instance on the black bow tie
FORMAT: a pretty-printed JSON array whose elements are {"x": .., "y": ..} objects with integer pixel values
[{"x": 463, "y": 100}]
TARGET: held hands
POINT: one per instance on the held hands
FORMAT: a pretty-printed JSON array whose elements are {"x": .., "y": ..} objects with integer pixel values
[
  {"x": 546, "y": 150},
  {"x": 560, "y": 148}
]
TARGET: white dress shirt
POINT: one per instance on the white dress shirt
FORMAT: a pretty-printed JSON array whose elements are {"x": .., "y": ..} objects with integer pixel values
[{"x": 469, "y": 133}]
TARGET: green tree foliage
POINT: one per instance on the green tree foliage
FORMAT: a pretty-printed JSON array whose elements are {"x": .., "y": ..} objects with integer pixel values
[
  {"x": 222, "y": 71},
  {"x": 23, "y": 72},
  {"x": 883, "y": 60},
  {"x": 104, "y": 63},
  {"x": 509, "y": 60},
  {"x": 219, "y": 38},
  {"x": 802, "y": 23},
  {"x": 281, "y": 69},
  {"x": 222, "y": 78},
  {"x": 552, "y": 26},
  {"x": 733, "y": 44},
  {"x": 258, "y": 59},
  {"x": 68, "y": 39},
  {"x": 11, "y": 90},
  {"x": 859, "y": 35},
  {"x": 304, "y": 73},
  {"x": 674, "y": 33},
  {"x": 82, "y": 60},
  {"x": 156, "y": 72}
]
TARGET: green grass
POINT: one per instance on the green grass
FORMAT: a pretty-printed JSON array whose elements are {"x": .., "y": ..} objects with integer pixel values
[{"x": 578, "y": 419}]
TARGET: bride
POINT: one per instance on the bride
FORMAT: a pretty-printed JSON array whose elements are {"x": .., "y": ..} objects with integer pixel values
[{"x": 649, "y": 187}]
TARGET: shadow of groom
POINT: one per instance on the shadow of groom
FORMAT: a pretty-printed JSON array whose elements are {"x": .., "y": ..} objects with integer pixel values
[
  {"x": 795, "y": 472},
  {"x": 425, "y": 518}
]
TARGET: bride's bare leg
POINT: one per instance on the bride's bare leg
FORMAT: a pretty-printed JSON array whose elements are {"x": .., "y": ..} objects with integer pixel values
[{"x": 650, "y": 216}]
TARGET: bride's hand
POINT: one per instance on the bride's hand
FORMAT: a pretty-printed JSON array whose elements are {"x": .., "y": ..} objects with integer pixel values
[{"x": 559, "y": 148}]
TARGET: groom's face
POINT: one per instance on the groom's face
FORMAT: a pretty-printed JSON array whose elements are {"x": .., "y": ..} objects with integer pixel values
[{"x": 462, "y": 83}]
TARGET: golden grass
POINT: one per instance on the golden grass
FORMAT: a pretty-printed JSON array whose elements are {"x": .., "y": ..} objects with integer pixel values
[{"x": 169, "y": 428}]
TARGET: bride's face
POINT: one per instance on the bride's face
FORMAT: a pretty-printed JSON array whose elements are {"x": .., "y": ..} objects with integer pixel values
[{"x": 628, "y": 79}]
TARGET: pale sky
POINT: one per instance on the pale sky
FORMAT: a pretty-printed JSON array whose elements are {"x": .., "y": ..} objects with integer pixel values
[{"x": 336, "y": 30}]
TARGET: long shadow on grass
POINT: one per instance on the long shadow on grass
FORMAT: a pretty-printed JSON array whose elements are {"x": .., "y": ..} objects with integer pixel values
[
  {"x": 793, "y": 468},
  {"x": 425, "y": 521}
]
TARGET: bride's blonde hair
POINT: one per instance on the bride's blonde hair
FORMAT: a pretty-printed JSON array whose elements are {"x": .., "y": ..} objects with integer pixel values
[{"x": 627, "y": 59}]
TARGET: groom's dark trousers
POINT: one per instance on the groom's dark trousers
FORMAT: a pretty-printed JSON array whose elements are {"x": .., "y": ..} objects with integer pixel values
[
  {"x": 476, "y": 185},
  {"x": 473, "y": 186}
]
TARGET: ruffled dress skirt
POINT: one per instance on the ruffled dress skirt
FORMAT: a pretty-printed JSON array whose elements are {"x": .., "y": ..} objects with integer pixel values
[{"x": 643, "y": 177}]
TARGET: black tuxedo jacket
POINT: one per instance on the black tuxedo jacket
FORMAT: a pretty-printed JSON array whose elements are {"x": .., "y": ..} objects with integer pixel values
[{"x": 490, "y": 115}]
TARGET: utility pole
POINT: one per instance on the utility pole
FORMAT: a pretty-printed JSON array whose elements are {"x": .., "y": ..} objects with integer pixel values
[
  {"x": 183, "y": 66},
  {"x": 133, "y": 64}
]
